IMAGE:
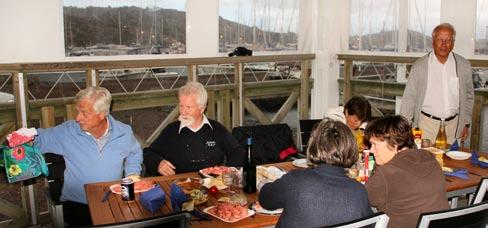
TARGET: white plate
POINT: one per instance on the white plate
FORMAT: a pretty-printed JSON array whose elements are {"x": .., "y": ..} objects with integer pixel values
[
  {"x": 458, "y": 155},
  {"x": 207, "y": 183},
  {"x": 203, "y": 173},
  {"x": 260, "y": 210},
  {"x": 302, "y": 163},
  {"x": 115, "y": 188},
  {"x": 271, "y": 173},
  {"x": 207, "y": 210}
]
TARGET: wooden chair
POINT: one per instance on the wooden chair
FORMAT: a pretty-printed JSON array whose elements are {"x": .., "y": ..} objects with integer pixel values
[
  {"x": 306, "y": 127},
  {"x": 181, "y": 220},
  {"x": 54, "y": 183},
  {"x": 472, "y": 216},
  {"x": 480, "y": 194},
  {"x": 378, "y": 220}
]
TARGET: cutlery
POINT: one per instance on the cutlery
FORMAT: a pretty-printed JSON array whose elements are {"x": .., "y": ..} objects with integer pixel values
[{"x": 106, "y": 195}]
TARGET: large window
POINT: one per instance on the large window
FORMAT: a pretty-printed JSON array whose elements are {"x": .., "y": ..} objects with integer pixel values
[
  {"x": 374, "y": 25},
  {"x": 129, "y": 27},
  {"x": 481, "y": 44},
  {"x": 423, "y": 16},
  {"x": 260, "y": 25}
]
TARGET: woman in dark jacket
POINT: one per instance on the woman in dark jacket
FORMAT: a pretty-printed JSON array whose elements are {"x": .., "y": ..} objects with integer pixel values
[
  {"x": 322, "y": 195},
  {"x": 407, "y": 181}
]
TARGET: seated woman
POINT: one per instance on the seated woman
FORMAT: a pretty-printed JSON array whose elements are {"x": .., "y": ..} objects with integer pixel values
[
  {"x": 406, "y": 181},
  {"x": 322, "y": 195}
]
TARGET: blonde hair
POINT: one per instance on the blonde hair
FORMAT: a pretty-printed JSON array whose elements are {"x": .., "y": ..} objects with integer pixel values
[
  {"x": 100, "y": 97},
  {"x": 197, "y": 89}
]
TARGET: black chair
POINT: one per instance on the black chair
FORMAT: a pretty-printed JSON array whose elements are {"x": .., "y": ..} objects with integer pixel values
[
  {"x": 306, "y": 127},
  {"x": 271, "y": 143},
  {"x": 473, "y": 216},
  {"x": 480, "y": 194},
  {"x": 378, "y": 220},
  {"x": 181, "y": 220},
  {"x": 54, "y": 182}
]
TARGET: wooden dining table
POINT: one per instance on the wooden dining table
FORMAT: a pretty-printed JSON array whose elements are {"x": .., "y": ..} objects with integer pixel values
[{"x": 114, "y": 210}]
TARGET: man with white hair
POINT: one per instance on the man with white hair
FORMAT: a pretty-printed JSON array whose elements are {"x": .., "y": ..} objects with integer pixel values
[
  {"x": 193, "y": 142},
  {"x": 95, "y": 148}
]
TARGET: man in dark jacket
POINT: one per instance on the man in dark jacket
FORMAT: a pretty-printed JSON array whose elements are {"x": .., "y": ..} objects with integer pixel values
[{"x": 193, "y": 142}]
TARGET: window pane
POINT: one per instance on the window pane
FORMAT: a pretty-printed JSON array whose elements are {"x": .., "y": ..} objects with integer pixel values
[
  {"x": 259, "y": 25},
  {"x": 374, "y": 25},
  {"x": 481, "y": 44},
  {"x": 130, "y": 27},
  {"x": 423, "y": 16}
]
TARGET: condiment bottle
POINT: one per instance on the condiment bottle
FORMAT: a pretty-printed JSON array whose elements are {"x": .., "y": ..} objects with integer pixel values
[{"x": 417, "y": 135}]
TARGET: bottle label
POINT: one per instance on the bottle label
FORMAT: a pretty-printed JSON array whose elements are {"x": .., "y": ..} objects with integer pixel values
[{"x": 249, "y": 141}]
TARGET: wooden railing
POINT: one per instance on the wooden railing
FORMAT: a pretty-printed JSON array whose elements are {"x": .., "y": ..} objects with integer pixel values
[
  {"x": 227, "y": 102},
  {"x": 377, "y": 88}
]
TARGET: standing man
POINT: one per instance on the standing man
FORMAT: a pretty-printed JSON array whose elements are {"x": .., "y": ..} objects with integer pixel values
[
  {"x": 95, "y": 148},
  {"x": 440, "y": 87},
  {"x": 193, "y": 142}
]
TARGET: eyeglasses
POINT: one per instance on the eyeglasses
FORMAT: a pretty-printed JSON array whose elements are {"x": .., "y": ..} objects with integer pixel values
[{"x": 447, "y": 41}]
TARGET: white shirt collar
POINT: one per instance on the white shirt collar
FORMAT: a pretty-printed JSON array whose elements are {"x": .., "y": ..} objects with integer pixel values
[{"x": 204, "y": 121}]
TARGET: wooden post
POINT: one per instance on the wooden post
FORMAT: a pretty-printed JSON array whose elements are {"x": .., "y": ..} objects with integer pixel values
[
  {"x": 239, "y": 95},
  {"x": 211, "y": 104},
  {"x": 47, "y": 117},
  {"x": 92, "y": 77},
  {"x": 304, "y": 90},
  {"x": 226, "y": 118},
  {"x": 191, "y": 69},
  {"x": 71, "y": 111},
  {"x": 476, "y": 122},
  {"x": 21, "y": 99},
  {"x": 347, "y": 79}
]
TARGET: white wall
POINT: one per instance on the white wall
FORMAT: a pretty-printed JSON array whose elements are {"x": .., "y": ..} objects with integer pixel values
[
  {"x": 32, "y": 31},
  {"x": 462, "y": 15}
]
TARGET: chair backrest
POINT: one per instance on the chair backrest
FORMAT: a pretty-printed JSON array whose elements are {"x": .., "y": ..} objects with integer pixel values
[
  {"x": 480, "y": 194},
  {"x": 269, "y": 141},
  {"x": 181, "y": 220},
  {"x": 55, "y": 179},
  {"x": 472, "y": 216},
  {"x": 306, "y": 127},
  {"x": 377, "y": 220}
]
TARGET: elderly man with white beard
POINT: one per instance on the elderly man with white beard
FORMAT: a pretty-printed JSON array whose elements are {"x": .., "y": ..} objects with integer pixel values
[{"x": 193, "y": 142}]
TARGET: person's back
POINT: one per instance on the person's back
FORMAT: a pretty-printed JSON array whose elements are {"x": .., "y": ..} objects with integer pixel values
[{"x": 320, "y": 197}]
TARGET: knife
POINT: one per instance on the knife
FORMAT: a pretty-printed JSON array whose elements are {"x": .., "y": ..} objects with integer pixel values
[{"x": 106, "y": 195}]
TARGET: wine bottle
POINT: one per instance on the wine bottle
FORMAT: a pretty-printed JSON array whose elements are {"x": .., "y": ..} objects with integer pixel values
[
  {"x": 249, "y": 168},
  {"x": 441, "y": 139}
]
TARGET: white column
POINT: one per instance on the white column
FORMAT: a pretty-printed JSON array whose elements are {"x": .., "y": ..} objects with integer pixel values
[
  {"x": 202, "y": 28},
  {"x": 329, "y": 32},
  {"x": 462, "y": 15},
  {"x": 402, "y": 47}
]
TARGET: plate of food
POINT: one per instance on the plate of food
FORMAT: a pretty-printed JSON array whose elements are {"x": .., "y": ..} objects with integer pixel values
[
  {"x": 216, "y": 171},
  {"x": 271, "y": 173},
  {"x": 189, "y": 183},
  {"x": 260, "y": 210},
  {"x": 302, "y": 163},
  {"x": 139, "y": 186},
  {"x": 229, "y": 212},
  {"x": 214, "y": 181},
  {"x": 458, "y": 155}
]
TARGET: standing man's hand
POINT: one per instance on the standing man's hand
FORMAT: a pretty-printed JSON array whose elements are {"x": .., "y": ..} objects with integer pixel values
[
  {"x": 465, "y": 134},
  {"x": 165, "y": 168}
]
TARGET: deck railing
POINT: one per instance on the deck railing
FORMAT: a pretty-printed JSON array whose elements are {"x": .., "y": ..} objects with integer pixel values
[
  {"x": 352, "y": 85},
  {"x": 44, "y": 92}
]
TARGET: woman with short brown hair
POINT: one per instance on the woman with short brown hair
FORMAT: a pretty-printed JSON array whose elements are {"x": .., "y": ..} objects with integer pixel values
[{"x": 406, "y": 181}]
